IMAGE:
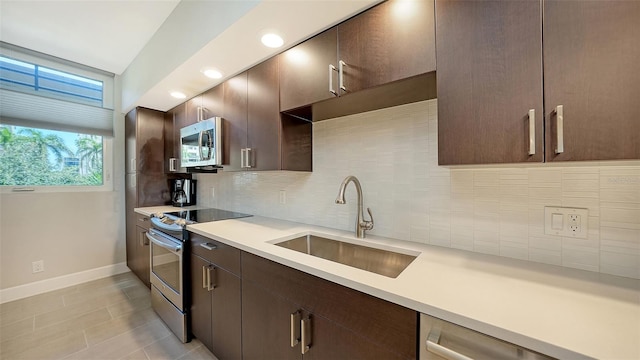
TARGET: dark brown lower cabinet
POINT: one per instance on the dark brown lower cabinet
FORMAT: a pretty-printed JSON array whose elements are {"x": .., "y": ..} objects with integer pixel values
[
  {"x": 279, "y": 302},
  {"x": 138, "y": 249},
  {"x": 215, "y": 308},
  {"x": 266, "y": 324}
]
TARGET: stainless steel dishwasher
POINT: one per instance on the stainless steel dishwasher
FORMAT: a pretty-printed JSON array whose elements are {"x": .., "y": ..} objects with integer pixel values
[{"x": 440, "y": 339}]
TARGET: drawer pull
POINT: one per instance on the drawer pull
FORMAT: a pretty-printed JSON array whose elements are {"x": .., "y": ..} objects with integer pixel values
[
  {"x": 208, "y": 246},
  {"x": 434, "y": 347}
]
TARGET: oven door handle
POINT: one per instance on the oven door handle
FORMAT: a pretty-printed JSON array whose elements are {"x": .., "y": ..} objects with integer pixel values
[
  {"x": 164, "y": 243},
  {"x": 164, "y": 226}
]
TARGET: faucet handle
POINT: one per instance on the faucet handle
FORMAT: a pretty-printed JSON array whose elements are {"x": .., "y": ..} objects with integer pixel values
[{"x": 368, "y": 225}]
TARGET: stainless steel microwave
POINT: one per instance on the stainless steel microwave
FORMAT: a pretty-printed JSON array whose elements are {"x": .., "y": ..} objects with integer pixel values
[{"x": 201, "y": 144}]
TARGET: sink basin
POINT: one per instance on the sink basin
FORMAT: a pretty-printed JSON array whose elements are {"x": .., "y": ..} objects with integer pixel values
[{"x": 380, "y": 261}]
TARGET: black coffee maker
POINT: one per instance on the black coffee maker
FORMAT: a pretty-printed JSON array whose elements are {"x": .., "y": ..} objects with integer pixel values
[{"x": 183, "y": 192}]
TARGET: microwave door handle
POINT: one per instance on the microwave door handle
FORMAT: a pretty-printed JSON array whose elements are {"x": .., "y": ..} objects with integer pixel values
[
  {"x": 209, "y": 145},
  {"x": 200, "y": 136}
]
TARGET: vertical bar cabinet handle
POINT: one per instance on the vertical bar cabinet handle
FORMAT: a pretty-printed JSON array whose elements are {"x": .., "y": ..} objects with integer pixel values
[
  {"x": 532, "y": 131},
  {"x": 210, "y": 285},
  {"x": 242, "y": 158},
  {"x": 248, "y": 161},
  {"x": 295, "y": 328},
  {"x": 172, "y": 164},
  {"x": 204, "y": 277},
  {"x": 305, "y": 335},
  {"x": 560, "y": 129},
  {"x": 341, "y": 66},
  {"x": 331, "y": 70}
]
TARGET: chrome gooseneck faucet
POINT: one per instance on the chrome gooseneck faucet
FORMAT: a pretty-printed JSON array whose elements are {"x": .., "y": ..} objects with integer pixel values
[{"x": 361, "y": 223}]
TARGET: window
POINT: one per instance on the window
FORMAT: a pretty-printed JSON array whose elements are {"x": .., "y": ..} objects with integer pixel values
[
  {"x": 23, "y": 76},
  {"x": 38, "y": 157},
  {"x": 56, "y": 123}
]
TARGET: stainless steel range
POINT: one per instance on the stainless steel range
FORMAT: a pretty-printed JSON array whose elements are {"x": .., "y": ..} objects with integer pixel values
[{"x": 170, "y": 251}]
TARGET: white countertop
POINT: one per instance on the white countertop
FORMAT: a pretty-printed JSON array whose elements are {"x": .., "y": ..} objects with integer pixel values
[{"x": 557, "y": 311}]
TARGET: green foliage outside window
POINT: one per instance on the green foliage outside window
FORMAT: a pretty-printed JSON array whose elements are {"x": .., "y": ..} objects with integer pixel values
[{"x": 33, "y": 157}]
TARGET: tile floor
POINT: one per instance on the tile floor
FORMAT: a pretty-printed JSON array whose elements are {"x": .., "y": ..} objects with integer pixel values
[{"x": 110, "y": 318}]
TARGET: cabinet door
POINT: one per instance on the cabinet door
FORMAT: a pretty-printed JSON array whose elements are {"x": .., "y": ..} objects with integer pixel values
[
  {"x": 266, "y": 325},
  {"x": 192, "y": 108},
  {"x": 264, "y": 116},
  {"x": 169, "y": 148},
  {"x": 213, "y": 102},
  {"x": 235, "y": 121},
  {"x": 304, "y": 71},
  {"x": 489, "y": 77},
  {"x": 179, "y": 121},
  {"x": 200, "y": 302},
  {"x": 591, "y": 57},
  {"x": 149, "y": 141},
  {"x": 141, "y": 257},
  {"x": 391, "y": 41},
  {"x": 332, "y": 341},
  {"x": 226, "y": 314}
]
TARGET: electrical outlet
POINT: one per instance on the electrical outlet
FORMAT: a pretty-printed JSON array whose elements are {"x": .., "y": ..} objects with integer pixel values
[
  {"x": 563, "y": 221},
  {"x": 37, "y": 266},
  {"x": 283, "y": 197}
]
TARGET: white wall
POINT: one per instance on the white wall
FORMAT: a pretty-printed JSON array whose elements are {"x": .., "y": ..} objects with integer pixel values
[
  {"x": 78, "y": 235},
  {"x": 493, "y": 210}
]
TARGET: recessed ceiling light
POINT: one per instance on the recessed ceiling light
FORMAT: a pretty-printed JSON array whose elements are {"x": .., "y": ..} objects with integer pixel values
[
  {"x": 212, "y": 73},
  {"x": 272, "y": 40},
  {"x": 178, "y": 95}
]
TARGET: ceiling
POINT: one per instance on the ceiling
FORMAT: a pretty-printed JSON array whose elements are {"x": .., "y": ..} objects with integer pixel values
[{"x": 133, "y": 38}]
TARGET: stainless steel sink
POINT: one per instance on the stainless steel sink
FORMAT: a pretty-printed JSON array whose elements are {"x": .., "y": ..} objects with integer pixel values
[{"x": 379, "y": 261}]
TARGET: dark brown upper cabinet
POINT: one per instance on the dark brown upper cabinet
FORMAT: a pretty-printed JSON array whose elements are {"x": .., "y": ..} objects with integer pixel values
[
  {"x": 213, "y": 102},
  {"x": 234, "y": 126},
  {"x": 193, "y": 110},
  {"x": 175, "y": 119},
  {"x": 263, "y": 135},
  {"x": 490, "y": 81},
  {"x": 257, "y": 137},
  {"x": 592, "y": 73},
  {"x": 489, "y": 78},
  {"x": 304, "y": 71},
  {"x": 391, "y": 41}
]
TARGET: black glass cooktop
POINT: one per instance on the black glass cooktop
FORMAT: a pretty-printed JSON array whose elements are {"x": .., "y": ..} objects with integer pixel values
[{"x": 205, "y": 215}]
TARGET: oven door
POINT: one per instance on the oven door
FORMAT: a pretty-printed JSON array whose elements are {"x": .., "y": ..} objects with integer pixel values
[{"x": 167, "y": 266}]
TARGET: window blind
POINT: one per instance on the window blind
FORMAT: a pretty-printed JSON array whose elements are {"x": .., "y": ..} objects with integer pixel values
[{"x": 28, "y": 110}]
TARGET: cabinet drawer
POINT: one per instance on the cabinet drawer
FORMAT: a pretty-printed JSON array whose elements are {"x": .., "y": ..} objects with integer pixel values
[
  {"x": 439, "y": 338},
  {"x": 224, "y": 256},
  {"x": 142, "y": 221}
]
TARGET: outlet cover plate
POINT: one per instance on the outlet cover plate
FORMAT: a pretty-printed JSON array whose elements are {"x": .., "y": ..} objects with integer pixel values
[{"x": 565, "y": 221}]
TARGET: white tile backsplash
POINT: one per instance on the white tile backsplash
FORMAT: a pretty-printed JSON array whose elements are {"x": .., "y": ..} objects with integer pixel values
[{"x": 492, "y": 210}]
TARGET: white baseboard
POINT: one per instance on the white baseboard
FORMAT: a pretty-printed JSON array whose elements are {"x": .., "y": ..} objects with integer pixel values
[{"x": 42, "y": 286}]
